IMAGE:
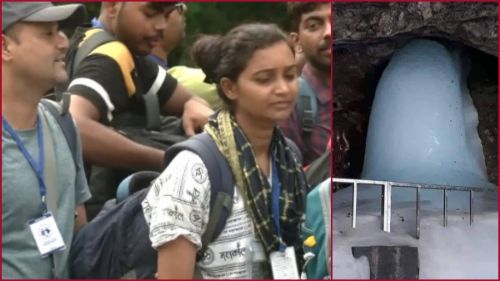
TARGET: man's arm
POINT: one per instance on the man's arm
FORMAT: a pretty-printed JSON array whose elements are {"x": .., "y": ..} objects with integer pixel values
[
  {"x": 103, "y": 146},
  {"x": 194, "y": 110}
]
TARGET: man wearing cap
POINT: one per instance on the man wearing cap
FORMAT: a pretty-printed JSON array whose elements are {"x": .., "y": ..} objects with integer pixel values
[
  {"x": 43, "y": 186},
  {"x": 109, "y": 86}
]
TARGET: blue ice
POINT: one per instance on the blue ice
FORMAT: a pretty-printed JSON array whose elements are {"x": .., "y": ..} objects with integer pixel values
[{"x": 423, "y": 124}]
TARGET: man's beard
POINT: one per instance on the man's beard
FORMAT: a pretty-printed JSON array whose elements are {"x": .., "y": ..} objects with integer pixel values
[
  {"x": 319, "y": 62},
  {"x": 320, "y": 65},
  {"x": 124, "y": 36}
]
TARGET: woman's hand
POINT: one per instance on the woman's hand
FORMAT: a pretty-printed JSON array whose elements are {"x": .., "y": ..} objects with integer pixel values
[{"x": 176, "y": 259}]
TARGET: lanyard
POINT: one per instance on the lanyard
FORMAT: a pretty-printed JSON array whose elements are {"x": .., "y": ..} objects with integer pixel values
[
  {"x": 38, "y": 168},
  {"x": 276, "y": 190}
]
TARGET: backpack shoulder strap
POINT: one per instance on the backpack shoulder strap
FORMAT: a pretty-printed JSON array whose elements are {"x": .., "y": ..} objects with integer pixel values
[
  {"x": 99, "y": 41},
  {"x": 66, "y": 123},
  {"x": 221, "y": 183},
  {"x": 307, "y": 107},
  {"x": 96, "y": 37},
  {"x": 120, "y": 53}
]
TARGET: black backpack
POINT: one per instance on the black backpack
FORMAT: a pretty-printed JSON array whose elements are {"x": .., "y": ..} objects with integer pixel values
[{"x": 117, "y": 240}]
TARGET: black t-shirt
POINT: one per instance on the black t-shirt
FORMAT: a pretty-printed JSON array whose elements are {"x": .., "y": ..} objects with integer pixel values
[{"x": 100, "y": 79}]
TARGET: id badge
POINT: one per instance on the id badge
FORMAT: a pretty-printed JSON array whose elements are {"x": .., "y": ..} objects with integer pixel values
[
  {"x": 284, "y": 265},
  {"x": 47, "y": 236}
]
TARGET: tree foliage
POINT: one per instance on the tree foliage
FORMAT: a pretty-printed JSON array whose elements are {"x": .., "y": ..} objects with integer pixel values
[{"x": 217, "y": 18}]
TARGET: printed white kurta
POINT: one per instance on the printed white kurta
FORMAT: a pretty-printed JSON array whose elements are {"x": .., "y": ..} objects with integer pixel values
[{"x": 178, "y": 205}]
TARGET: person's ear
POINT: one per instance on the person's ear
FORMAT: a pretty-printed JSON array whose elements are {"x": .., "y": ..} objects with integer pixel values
[
  {"x": 294, "y": 38},
  {"x": 228, "y": 88},
  {"x": 6, "y": 48}
]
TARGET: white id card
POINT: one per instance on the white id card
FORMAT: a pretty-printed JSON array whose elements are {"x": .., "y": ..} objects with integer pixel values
[
  {"x": 284, "y": 265},
  {"x": 47, "y": 236}
]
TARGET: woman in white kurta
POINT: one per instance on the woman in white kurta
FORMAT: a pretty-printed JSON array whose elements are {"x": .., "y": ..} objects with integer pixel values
[{"x": 254, "y": 68}]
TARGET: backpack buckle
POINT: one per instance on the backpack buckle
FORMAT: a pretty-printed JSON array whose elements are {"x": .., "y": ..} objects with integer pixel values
[{"x": 307, "y": 121}]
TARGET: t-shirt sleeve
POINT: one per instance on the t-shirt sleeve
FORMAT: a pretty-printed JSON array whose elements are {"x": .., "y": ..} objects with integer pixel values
[
  {"x": 178, "y": 202},
  {"x": 100, "y": 80},
  {"x": 156, "y": 80}
]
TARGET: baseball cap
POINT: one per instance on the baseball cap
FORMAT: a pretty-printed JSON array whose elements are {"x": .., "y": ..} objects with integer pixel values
[{"x": 69, "y": 15}]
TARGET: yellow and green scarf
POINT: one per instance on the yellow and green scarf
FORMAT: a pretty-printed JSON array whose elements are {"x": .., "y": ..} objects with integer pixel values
[{"x": 255, "y": 188}]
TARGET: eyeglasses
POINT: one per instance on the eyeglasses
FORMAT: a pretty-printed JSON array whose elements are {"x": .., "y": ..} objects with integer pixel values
[{"x": 181, "y": 7}]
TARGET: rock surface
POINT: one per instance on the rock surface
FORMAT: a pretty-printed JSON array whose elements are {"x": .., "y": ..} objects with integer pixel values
[{"x": 474, "y": 24}]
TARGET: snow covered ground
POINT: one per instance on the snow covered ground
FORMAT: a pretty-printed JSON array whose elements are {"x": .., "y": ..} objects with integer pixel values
[{"x": 456, "y": 251}]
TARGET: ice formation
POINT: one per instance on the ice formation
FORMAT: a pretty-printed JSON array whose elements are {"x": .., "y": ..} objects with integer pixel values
[{"x": 423, "y": 125}]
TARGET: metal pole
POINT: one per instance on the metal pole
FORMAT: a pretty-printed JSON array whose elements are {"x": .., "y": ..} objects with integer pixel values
[
  {"x": 471, "y": 198},
  {"x": 445, "y": 210},
  {"x": 354, "y": 203},
  {"x": 382, "y": 206},
  {"x": 418, "y": 213},
  {"x": 387, "y": 207}
]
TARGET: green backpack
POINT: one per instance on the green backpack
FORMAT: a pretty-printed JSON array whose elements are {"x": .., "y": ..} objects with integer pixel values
[{"x": 317, "y": 232}]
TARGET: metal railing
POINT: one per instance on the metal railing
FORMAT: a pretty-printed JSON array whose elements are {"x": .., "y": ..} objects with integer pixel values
[{"x": 386, "y": 198}]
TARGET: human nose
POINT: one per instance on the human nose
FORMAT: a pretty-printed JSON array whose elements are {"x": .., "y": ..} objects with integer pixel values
[
  {"x": 328, "y": 29},
  {"x": 160, "y": 24},
  {"x": 62, "y": 41},
  {"x": 284, "y": 86}
]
